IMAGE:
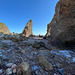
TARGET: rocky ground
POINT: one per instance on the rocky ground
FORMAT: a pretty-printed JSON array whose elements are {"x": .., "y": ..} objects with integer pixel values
[{"x": 41, "y": 57}]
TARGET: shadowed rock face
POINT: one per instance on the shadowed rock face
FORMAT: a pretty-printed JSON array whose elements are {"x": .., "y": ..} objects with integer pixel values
[
  {"x": 4, "y": 28},
  {"x": 62, "y": 26},
  {"x": 28, "y": 29}
]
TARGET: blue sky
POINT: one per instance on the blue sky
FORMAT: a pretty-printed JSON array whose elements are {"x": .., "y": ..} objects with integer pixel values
[{"x": 16, "y": 13}]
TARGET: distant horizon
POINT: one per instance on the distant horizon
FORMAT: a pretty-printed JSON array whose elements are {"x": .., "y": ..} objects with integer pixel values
[{"x": 16, "y": 14}]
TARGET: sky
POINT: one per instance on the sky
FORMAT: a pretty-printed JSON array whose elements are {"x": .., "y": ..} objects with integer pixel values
[{"x": 16, "y": 13}]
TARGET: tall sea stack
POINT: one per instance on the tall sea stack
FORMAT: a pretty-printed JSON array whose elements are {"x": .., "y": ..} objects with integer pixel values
[{"x": 28, "y": 29}]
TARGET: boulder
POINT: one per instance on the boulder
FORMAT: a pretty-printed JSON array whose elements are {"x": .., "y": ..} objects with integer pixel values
[
  {"x": 62, "y": 27},
  {"x": 4, "y": 28},
  {"x": 38, "y": 45},
  {"x": 45, "y": 64},
  {"x": 23, "y": 69},
  {"x": 8, "y": 71},
  {"x": 28, "y": 29}
]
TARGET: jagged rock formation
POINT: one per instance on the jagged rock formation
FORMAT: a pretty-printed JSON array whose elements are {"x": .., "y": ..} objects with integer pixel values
[
  {"x": 4, "y": 28},
  {"x": 62, "y": 26},
  {"x": 48, "y": 30},
  {"x": 28, "y": 29}
]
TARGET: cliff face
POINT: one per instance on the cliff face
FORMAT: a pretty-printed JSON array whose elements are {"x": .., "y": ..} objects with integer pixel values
[
  {"x": 62, "y": 26},
  {"x": 4, "y": 28},
  {"x": 28, "y": 29}
]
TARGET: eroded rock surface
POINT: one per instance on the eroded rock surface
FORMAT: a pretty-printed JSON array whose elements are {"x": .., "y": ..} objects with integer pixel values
[
  {"x": 62, "y": 27},
  {"x": 4, "y": 29},
  {"x": 28, "y": 29}
]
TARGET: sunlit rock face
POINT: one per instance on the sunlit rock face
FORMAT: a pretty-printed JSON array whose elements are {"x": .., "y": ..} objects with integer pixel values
[
  {"x": 28, "y": 29},
  {"x": 4, "y": 29},
  {"x": 62, "y": 26}
]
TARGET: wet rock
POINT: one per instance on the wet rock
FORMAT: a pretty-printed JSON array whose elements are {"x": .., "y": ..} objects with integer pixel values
[
  {"x": 8, "y": 71},
  {"x": 45, "y": 64},
  {"x": 23, "y": 69}
]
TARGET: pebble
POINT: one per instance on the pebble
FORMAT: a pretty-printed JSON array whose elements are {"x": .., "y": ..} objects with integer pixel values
[
  {"x": 1, "y": 71},
  {"x": 14, "y": 70},
  {"x": 13, "y": 66},
  {"x": 9, "y": 65},
  {"x": 8, "y": 71}
]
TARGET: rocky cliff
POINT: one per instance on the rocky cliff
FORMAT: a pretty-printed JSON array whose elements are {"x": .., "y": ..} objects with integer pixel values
[
  {"x": 4, "y": 28},
  {"x": 62, "y": 27},
  {"x": 28, "y": 29}
]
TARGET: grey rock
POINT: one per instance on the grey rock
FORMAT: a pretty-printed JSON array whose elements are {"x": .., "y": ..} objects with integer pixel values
[
  {"x": 8, "y": 71},
  {"x": 45, "y": 64},
  {"x": 23, "y": 69}
]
